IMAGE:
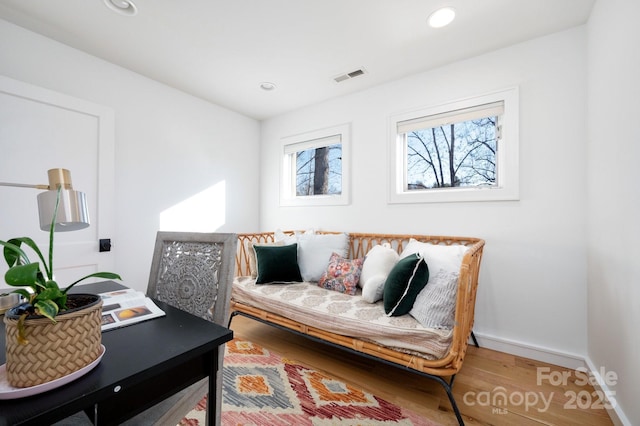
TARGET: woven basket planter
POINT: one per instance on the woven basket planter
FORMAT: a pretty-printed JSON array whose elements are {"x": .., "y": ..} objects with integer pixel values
[{"x": 55, "y": 349}]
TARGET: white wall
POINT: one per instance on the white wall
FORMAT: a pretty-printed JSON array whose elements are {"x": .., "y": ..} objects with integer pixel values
[
  {"x": 532, "y": 290},
  {"x": 614, "y": 198},
  {"x": 169, "y": 145},
  {"x": 533, "y": 287}
]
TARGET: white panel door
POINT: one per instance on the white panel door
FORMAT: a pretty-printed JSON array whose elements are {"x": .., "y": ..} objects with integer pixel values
[{"x": 40, "y": 130}]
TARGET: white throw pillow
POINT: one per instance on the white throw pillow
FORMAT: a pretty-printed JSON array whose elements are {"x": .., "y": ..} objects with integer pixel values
[
  {"x": 435, "y": 306},
  {"x": 448, "y": 258},
  {"x": 315, "y": 250},
  {"x": 280, "y": 236},
  {"x": 378, "y": 262}
]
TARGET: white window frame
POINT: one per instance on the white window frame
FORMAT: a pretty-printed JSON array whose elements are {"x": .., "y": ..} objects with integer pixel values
[
  {"x": 507, "y": 187},
  {"x": 310, "y": 140}
]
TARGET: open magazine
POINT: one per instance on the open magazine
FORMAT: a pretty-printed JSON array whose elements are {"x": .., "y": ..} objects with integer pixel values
[{"x": 127, "y": 306}]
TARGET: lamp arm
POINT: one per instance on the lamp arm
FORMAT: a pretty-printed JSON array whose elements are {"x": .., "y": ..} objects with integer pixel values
[
  {"x": 57, "y": 178},
  {"x": 73, "y": 213},
  {"x": 24, "y": 185}
]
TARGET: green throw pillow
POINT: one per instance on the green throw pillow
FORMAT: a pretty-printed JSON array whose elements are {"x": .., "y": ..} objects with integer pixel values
[
  {"x": 407, "y": 278},
  {"x": 277, "y": 264}
]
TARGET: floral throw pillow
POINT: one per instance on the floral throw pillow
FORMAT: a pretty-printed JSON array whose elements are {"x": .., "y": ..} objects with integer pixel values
[{"x": 342, "y": 274}]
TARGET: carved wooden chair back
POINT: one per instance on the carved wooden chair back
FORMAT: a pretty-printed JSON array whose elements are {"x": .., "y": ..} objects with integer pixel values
[{"x": 193, "y": 272}]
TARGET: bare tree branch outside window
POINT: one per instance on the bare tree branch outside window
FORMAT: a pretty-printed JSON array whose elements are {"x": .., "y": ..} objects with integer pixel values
[{"x": 454, "y": 155}]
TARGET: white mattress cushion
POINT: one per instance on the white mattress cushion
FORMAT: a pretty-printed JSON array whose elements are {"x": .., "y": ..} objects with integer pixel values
[{"x": 343, "y": 314}]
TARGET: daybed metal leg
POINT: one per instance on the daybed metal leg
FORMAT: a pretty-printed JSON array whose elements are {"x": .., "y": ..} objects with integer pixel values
[
  {"x": 475, "y": 341},
  {"x": 447, "y": 387},
  {"x": 233, "y": 314}
]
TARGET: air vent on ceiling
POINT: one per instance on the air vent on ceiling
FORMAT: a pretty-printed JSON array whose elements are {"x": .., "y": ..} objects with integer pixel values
[{"x": 349, "y": 75}]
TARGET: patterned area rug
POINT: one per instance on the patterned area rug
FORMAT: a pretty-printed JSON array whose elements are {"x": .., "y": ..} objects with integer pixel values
[{"x": 262, "y": 388}]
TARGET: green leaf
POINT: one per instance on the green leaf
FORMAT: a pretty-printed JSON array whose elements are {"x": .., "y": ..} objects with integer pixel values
[
  {"x": 22, "y": 339},
  {"x": 13, "y": 254},
  {"x": 30, "y": 243},
  {"x": 22, "y": 275},
  {"x": 51, "y": 232},
  {"x": 61, "y": 301},
  {"x": 51, "y": 291},
  {"x": 47, "y": 308},
  {"x": 106, "y": 275},
  {"x": 56, "y": 295},
  {"x": 52, "y": 284}
]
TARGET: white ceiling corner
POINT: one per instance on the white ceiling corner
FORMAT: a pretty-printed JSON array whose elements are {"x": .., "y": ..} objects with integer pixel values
[{"x": 221, "y": 51}]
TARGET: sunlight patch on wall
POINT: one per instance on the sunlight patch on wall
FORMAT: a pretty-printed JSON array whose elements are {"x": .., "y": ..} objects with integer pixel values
[{"x": 203, "y": 212}]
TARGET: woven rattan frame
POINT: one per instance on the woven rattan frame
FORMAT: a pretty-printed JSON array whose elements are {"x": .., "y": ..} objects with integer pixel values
[
  {"x": 359, "y": 245},
  {"x": 55, "y": 349},
  {"x": 442, "y": 370}
]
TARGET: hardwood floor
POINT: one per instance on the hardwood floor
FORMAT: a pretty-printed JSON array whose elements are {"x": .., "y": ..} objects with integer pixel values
[{"x": 493, "y": 388}]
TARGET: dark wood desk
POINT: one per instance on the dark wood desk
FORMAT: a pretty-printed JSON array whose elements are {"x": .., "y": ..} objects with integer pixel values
[{"x": 143, "y": 364}]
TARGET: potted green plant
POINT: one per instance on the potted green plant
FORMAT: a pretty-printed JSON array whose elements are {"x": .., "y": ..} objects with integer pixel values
[{"x": 46, "y": 315}]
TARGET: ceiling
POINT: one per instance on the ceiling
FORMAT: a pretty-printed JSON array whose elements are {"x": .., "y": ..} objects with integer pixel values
[{"x": 221, "y": 50}]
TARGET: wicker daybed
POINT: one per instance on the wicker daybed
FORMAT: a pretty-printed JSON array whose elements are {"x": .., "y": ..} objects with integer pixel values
[{"x": 437, "y": 362}]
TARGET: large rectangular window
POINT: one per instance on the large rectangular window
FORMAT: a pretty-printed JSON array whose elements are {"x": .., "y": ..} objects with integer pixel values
[
  {"x": 452, "y": 150},
  {"x": 457, "y": 151},
  {"x": 314, "y": 168}
]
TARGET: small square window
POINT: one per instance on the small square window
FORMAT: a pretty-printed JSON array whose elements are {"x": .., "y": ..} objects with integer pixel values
[
  {"x": 315, "y": 168},
  {"x": 462, "y": 151}
]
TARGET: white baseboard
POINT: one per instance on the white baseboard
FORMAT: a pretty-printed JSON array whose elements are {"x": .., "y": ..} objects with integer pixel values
[
  {"x": 554, "y": 357},
  {"x": 526, "y": 350},
  {"x": 617, "y": 415}
]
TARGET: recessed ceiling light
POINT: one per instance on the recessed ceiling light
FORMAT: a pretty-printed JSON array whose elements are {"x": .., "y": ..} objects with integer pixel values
[
  {"x": 267, "y": 86},
  {"x": 442, "y": 17},
  {"x": 123, "y": 7}
]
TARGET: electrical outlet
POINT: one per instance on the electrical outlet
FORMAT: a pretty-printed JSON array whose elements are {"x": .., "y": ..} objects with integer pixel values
[{"x": 105, "y": 244}]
